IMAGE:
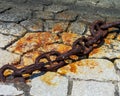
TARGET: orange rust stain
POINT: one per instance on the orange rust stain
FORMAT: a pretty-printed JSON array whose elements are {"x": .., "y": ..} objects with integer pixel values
[
  {"x": 63, "y": 48},
  {"x": 89, "y": 63},
  {"x": 48, "y": 78},
  {"x": 34, "y": 40},
  {"x": 107, "y": 41},
  {"x": 29, "y": 58},
  {"x": 69, "y": 38},
  {"x": 73, "y": 68},
  {"x": 118, "y": 37},
  {"x": 57, "y": 28},
  {"x": 97, "y": 50},
  {"x": 111, "y": 35}
]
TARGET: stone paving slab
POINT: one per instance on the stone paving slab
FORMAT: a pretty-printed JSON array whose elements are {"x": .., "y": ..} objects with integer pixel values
[
  {"x": 12, "y": 29},
  {"x": 109, "y": 50},
  {"x": 50, "y": 84},
  {"x": 92, "y": 88},
  {"x": 95, "y": 69},
  {"x": 9, "y": 90},
  {"x": 5, "y": 40},
  {"x": 8, "y": 57}
]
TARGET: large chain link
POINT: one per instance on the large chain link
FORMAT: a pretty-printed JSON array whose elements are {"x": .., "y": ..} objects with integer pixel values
[{"x": 81, "y": 47}]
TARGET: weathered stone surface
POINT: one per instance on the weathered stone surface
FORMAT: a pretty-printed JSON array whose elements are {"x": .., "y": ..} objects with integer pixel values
[
  {"x": 117, "y": 63},
  {"x": 62, "y": 2},
  {"x": 12, "y": 28},
  {"x": 77, "y": 27},
  {"x": 55, "y": 26},
  {"x": 5, "y": 40},
  {"x": 49, "y": 84},
  {"x": 43, "y": 15},
  {"x": 119, "y": 87},
  {"x": 33, "y": 25},
  {"x": 66, "y": 15},
  {"x": 32, "y": 41},
  {"x": 9, "y": 90},
  {"x": 68, "y": 38},
  {"x": 43, "y": 2},
  {"x": 97, "y": 69},
  {"x": 55, "y": 8},
  {"x": 8, "y": 58},
  {"x": 15, "y": 15},
  {"x": 3, "y": 8},
  {"x": 91, "y": 88},
  {"x": 111, "y": 49}
]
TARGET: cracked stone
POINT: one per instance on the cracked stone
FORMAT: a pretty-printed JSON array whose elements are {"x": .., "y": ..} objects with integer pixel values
[
  {"x": 55, "y": 84},
  {"x": 43, "y": 15},
  {"x": 55, "y": 26},
  {"x": 5, "y": 40},
  {"x": 77, "y": 27},
  {"x": 32, "y": 41},
  {"x": 111, "y": 50},
  {"x": 55, "y": 8},
  {"x": 15, "y": 15},
  {"x": 9, "y": 90},
  {"x": 33, "y": 25},
  {"x": 95, "y": 69},
  {"x": 12, "y": 29},
  {"x": 66, "y": 15},
  {"x": 92, "y": 88},
  {"x": 8, "y": 57}
]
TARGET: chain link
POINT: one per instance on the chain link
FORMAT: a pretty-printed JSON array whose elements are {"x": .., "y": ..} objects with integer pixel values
[{"x": 81, "y": 47}]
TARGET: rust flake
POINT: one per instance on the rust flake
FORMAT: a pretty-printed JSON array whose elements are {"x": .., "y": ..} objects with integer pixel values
[{"x": 94, "y": 51}]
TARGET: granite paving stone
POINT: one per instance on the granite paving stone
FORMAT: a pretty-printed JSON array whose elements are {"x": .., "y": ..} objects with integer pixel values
[
  {"x": 12, "y": 29},
  {"x": 5, "y": 40},
  {"x": 66, "y": 15},
  {"x": 77, "y": 27},
  {"x": 109, "y": 50},
  {"x": 92, "y": 88},
  {"x": 15, "y": 15},
  {"x": 55, "y": 8},
  {"x": 95, "y": 69},
  {"x": 8, "y": 57},
  {"x": 33, "y": 24},
  {"x": 9, "y": 90},
  {"x": 43, "y": 15},
  {"x": 55, "y": 26},
  {"x": 49, "y": 84}
]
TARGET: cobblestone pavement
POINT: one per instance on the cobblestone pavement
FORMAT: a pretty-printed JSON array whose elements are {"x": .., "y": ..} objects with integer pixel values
[{"x": 30, "y": 27}]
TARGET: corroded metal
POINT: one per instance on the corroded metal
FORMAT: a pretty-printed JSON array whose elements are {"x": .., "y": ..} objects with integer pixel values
[{"x": 81, "y": 47}]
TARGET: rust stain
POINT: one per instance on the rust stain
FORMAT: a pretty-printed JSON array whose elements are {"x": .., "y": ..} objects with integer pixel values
[
  {"x": 95, "y": 51},
  {"x": 111, "y": 35},
  {"x": 69, "y": 38},
  {"x": 118, "y": 37},
  {"x": 32, "y": 41},
  {"x": 57, "y": 28},
  {"x": 29, "y": 58},
  {"x": 74, "y": 67},
  {"x": 107, "y": 41},
  {"x": 49, "y": 77}
]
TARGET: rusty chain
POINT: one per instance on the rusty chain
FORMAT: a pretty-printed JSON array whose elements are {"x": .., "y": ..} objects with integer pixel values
[{"x": 81, "y": 47}]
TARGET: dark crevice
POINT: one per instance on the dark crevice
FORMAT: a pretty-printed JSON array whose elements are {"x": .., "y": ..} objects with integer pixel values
[
  {"x": 70, "y": 85},
  {"x": 6, "y": 10},
  {"x": 116, "y": 93}
]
